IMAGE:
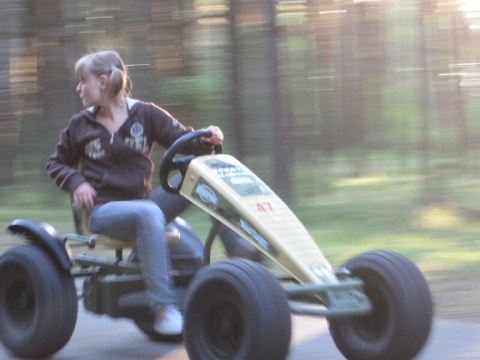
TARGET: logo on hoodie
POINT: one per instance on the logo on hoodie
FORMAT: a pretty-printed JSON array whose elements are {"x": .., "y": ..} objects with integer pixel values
[
  {"x": 94, "y": 149},
  {"x": 136, "y": 130},
  {"x": 138, "y": 140}
]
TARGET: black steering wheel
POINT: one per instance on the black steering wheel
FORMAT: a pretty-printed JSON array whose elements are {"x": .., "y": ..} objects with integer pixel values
[{"x": 169, "y": 163}]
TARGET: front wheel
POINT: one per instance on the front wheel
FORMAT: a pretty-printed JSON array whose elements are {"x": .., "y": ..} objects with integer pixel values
[
  {"x": 38, "y": 303},
  {"x": 401, "y": 319},
  {"x": 236, "y": 310}
]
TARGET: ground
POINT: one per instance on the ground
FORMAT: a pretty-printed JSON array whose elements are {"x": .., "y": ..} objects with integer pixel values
[{"x": 456, "y": 298}]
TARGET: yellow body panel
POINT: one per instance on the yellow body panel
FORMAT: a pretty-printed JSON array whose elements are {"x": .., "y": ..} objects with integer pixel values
[{"x": 229, "y": 191}]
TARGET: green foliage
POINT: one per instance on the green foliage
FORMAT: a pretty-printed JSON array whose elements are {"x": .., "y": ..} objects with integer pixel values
[{"x": 345, "y": 215}]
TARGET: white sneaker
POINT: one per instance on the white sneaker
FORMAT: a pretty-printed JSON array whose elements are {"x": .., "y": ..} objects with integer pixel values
[{"x": 168, "y": 321}]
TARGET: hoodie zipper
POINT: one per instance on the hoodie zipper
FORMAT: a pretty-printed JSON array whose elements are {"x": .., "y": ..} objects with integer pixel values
[{"x": 111, "y": 138}]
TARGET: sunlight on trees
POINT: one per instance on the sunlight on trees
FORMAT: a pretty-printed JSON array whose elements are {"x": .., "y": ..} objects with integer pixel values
[{"x": 354, "y": 87}]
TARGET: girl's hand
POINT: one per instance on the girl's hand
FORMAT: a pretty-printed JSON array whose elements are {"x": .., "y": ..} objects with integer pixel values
[
  {"x": 217, "y": 136},
  {"x": 84, "y": 195}
]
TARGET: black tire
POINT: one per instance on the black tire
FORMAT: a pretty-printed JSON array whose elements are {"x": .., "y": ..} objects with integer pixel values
[
  {"x": 236, "y": 310},
  {"x": 38, "y": 303},
  {"x": 402, "y": 313}
]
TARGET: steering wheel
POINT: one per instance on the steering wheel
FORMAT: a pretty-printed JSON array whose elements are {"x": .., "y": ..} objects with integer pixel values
[{"x": 169, "y": 163}]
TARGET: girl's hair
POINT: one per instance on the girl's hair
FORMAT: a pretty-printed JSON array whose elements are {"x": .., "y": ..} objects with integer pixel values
[{"x": 107, "y": 63}]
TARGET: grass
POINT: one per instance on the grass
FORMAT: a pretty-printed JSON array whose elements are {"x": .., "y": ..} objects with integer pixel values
[{"x": 347, "y": 216}]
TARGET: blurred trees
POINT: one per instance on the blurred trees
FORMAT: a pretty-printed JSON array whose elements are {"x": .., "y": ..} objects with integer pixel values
[{"x": 290, "y": 82}]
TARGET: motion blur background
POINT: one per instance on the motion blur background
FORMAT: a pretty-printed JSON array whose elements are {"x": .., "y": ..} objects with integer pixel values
[
  {"x": 291, "y": 82},
  {"x": 362, "y": 114}
]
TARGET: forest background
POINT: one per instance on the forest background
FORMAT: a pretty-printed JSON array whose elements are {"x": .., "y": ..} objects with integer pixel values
[{"x": 361, "y": 114}]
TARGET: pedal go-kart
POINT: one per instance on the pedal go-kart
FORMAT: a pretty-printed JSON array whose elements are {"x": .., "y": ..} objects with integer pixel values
[{"x": 378, "y": 304}]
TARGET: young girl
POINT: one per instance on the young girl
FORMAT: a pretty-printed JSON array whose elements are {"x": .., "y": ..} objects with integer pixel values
[{"x": 114, "y": 136}]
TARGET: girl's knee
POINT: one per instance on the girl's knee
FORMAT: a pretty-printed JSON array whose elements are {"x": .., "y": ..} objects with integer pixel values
[{"x": 149, "y": 211}]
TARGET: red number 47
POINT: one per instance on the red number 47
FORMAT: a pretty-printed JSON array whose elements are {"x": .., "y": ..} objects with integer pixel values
[{"x": 264, "y": 207}]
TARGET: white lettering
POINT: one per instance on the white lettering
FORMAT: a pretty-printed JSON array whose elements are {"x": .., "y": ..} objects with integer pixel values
[
  {"x": 139, "y": 144},
  {"x": 94, "y": 149}
]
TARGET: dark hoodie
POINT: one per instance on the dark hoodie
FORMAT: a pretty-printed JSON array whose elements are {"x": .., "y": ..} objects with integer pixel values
[{"x": 117, "y": 165}]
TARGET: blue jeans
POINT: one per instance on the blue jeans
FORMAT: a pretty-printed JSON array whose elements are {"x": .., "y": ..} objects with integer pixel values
[{"x": 144, "y": 221}]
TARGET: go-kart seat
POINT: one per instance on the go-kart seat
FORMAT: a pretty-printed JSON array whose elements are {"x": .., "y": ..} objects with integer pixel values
[
  {"x": 172, "y": 235},
  {"x": 81, "y": 228}
]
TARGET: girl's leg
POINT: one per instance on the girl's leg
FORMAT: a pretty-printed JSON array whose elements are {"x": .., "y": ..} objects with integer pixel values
[
  {"x": 142, "y": 220},
  {"x": 172, "y": 205}
]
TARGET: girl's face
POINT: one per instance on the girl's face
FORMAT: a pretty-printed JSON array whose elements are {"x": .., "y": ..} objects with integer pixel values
[{"x": 89, "y": 89}]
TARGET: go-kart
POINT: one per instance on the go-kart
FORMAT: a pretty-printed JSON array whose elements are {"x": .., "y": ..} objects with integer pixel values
[{"x": 377, "y": 304}]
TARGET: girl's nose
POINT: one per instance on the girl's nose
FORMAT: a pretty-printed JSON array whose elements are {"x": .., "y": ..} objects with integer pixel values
[{"x": 78, "y": 89}]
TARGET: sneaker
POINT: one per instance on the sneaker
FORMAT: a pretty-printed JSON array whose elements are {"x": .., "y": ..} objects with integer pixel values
[{"x": 168, "y": 321}]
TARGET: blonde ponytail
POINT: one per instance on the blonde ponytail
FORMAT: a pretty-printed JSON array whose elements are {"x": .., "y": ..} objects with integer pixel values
[{"x": 110, "y": 64}]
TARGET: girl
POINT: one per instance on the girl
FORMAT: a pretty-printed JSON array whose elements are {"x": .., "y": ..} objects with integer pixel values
[{"x": 114, "y": 136}]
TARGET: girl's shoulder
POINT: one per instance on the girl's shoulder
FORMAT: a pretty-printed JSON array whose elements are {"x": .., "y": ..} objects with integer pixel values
[
  {"x": 147, "y": 110},
  {"x": 84, "y": 115},
  {"x": 79, "y": 120},
  {"x": 132, "y": 103},
  {"x": 138, "y": 107}
]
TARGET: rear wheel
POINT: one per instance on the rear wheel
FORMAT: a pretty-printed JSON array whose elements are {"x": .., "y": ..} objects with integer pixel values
[
  {"x": 400, "y": 322},
  {"x": 38, "y": 303},
  {"x": 236, "y": 310}
]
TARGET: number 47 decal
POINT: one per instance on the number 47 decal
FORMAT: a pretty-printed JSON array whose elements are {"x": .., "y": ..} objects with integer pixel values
[{"x": 264, "y": 207}]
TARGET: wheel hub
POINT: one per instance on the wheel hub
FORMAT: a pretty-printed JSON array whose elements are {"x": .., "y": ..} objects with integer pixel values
[
  {"x": 20, "y": 302},
  {"x": 226, "y": 329}
]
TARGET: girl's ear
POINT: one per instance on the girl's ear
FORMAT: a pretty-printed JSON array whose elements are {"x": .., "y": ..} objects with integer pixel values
[{"x": 103, "y": 82}]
